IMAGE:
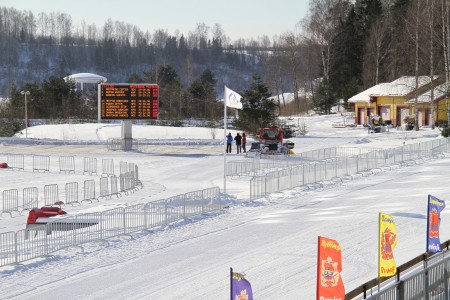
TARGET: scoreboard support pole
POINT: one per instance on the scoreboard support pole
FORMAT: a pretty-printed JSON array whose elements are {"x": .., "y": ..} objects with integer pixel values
[
  {"x": 127, "y": 135},
  {"x": 99, "y": 107}
]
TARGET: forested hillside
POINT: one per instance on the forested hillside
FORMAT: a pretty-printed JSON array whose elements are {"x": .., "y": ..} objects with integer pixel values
[{"x": 341, "y": 48}]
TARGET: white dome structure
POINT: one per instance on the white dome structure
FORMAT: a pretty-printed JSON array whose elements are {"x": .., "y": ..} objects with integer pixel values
[{"x": 85, "y": 78}]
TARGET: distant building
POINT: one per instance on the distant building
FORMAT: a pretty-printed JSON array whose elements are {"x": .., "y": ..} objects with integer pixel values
[
  {"x": 82, "y": 78},
  {"x": 395, "y": 100}
]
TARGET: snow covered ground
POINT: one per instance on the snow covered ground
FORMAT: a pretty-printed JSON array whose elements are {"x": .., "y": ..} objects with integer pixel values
[{"x": 273, "y": 240}]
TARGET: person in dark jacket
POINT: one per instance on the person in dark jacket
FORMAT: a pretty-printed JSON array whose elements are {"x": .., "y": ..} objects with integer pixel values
[
  {"x": 229, "y": 142},
  {"x": 238, "y": 140},
  {"x": 244, "y": 141}
]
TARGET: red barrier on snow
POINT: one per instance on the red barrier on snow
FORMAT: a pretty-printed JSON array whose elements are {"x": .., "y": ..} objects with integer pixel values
[{"x": 43, "y": 212}]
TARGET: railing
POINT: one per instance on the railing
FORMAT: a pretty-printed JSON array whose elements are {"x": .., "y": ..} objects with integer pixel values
[
  {"x": 302, "y": 173},
  {"x": 26, "y": 244},
  {"x": 423, "y": 277},
  {"x": 69, "y": 193}
]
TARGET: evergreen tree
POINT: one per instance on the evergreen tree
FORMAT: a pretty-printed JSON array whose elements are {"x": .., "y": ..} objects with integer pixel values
[
  {"x": 258, "y": 111},
  {"x": 203, "y": 96},
  {"x": 347, "y": 64}
]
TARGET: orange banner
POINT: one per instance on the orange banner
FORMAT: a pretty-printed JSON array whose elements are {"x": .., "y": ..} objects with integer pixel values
[
  {"x": 387, "y": 240},
  {"x": 329, "y": 268}
]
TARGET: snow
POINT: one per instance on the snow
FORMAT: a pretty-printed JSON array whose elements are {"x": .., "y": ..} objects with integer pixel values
[
  {"x": 400, "y": 87},
  {"x": 272, "y": 240}
]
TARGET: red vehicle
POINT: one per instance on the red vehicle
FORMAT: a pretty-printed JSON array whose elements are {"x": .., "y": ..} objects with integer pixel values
[
  {"x": 271, "y": 140},
  {"x": 271, "y": 143}
]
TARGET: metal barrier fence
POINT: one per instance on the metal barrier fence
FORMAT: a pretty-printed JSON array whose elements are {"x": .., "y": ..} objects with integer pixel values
[
  {"x": 304, "y": 173},
  {"x": 42, "y": 163},
  {"x": 424, "y": 277},
  {"x": 10, "y": 202},
  {"x": 51, "y": 195},
  {"x": 119, "y": 144},
  {"x": 30, "y": 198},
  {"x": 71, "y": 193},
  {"x": 90, "y": 165},
  {"x": 26, "y": 244},
  {"x": 67, "y": 164},
  {"x": 16, "y": 161},
  {"x": 258, "y": 167},
  {"x": 107, "y": 167}
]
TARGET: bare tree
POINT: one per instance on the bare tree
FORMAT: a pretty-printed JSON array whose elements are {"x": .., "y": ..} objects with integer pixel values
[
  {"x": 320, "y": 27},
  {"x": 416, "y": 41},
  {"x": 445, "y": 9},
  {"x": 290, "y": 47},
  {"x": 376, "y": 51},
  {"x": 430, "y": 5}
]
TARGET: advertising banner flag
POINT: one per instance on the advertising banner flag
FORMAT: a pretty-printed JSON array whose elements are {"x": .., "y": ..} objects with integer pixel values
[
  {"x": 387, "y": 240},
  {"x": 240, "y": 287},
  {"x": 232, "y": 99},
  {"x": 435, "y": 206},
  {"x": 329, "y": 268}
]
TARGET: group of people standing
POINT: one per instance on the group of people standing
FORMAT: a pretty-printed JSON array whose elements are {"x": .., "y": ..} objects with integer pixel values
[{"x": 240, "y": 142}]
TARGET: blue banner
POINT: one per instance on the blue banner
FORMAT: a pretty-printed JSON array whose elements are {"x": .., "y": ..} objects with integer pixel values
[
  {"x": 240, "y": 287},
  {"x": 435, "y": 206}
]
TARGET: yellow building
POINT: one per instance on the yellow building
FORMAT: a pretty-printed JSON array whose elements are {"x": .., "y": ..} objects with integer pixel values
[
  {"x": 395, "y": 100},
  {"x": 439, "y": 110}
]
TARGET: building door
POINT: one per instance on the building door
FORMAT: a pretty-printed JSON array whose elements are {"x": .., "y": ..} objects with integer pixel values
[
  {"x": 428, "y": 116},
  {"x": 361, "y": 116},
  {"x": 420, "y": 117},
  {"x": 370, "y": 112},
  {"x": 385, "y": 113},
  {"x": 402, "y": 113}
]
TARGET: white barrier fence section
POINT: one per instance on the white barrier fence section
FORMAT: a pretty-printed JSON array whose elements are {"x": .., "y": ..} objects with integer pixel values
[
  {"x": 41, "y": 163},
  {"x": 337, "y": 167},
  {"x": 51, "y": 197},
  {"x": 10, "y": 201},
  {"x": 104, "y": 188},
  {"x": 114, "y": 189},
  {"x": 89, "y": 190},
  {"x": 23, "y": 245},
  {"x": 107, "y": 167},
  {"x": 90, "y": 165},
  {"x": 67, "y": 164},
  {"x": 16, "y": 161},
  {"x": 136, "y": 175},
  {"x": 51, "y": 194},
  {"x": 30, "y": 198},
  {"x": 123, "y": 165},
  {"x": 259, "y": 167},
  {"x": 71, "y": 193}
]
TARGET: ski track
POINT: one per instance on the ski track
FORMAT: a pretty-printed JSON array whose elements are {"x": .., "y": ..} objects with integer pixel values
[{"x": 273, "y": 240}]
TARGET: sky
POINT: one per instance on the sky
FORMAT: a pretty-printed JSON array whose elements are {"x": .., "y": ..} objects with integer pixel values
[
  {"x": 273, "y": 240},
  {"x": 239, "y": 19}
]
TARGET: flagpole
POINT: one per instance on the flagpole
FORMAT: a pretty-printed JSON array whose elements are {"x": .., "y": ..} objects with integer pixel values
[
  {"x": 231, "y": 283},
  {"x": 379, "y": 249},
  {"x": 318, "y": 267},
  {"x": 225, "y": 140}
]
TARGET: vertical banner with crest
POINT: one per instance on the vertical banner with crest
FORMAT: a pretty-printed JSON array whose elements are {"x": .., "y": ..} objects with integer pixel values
[
  {"x": 435, "y": 206},
  {"x": 329, "y": 268},
  {"x": 240, "y": 287},
  {"x": 387, "y": 240}
]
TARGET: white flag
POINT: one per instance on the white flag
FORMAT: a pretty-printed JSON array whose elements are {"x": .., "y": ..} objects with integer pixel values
[{"x": 232, "y": 99}]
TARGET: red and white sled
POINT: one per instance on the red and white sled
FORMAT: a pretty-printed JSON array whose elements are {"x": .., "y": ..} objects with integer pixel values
[{"x": 54, "y": 218}]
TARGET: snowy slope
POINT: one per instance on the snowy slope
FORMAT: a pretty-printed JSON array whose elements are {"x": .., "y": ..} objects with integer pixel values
[{"x": 274, "y": 240}]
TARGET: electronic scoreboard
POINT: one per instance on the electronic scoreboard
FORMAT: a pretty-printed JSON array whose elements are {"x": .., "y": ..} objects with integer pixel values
[{"x": 123, "y": 101}]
